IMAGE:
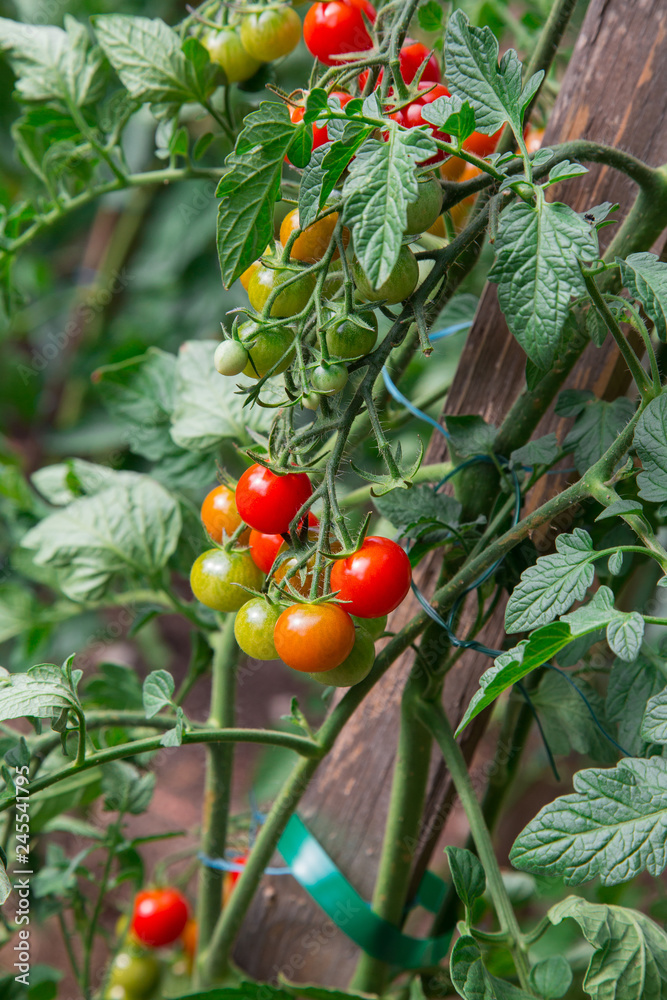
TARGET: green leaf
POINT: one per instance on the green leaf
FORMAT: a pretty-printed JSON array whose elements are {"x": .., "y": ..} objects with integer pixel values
[
  {"x": 631, "y": 686},
  {"x": 620, "y": 507},
  {"x": 327, "y": 164},
  {"x": 654, "y": 724},
  {"x": 645, "y": 277},
  {"x": 409, "y": 508},
  {"x": 125, "y": 788},
  {"x": 207, "y": 408},
  {"x": 553, "y": 584},
  {"x": 52, "y": 64},
  {"x": 66, "y": 481},
  {"x": 564, "y": 170},
  {"x": 469, "y": 434},
  {"x": 42, "y": 692},
  {"x": 250, "y": 188},
  {"x": 467, "y": 874},
  {"x": 615, "y": 563},
  {"x": 629, "y": 960},
  {"x": 596, "y": 428},
  {"x": 651, "y": 444},
  {"x": 472, "y": 981},
  {"x": 541, "y": 451},
  {"x": 146, "y": 53},
  {"x": 625, "y": 629},
  {"x": 174, "y": 737},
  {"x": 625, "y": 635},
  {"x": 158, "y": 692},
  {"x": 567, "y": 722},
  {"x": 552, "y": 977},
  {"x": 536, "y": 271},
  {"x": 126, "y": 531},
  {"x": 382, "y": 181},
  {"x": 613, "y": 826},
  {"x": 493, "y": 89},
  {"x": 19, "y": 610},
  {"x": 451, "y": 115},
  {"x": 430, "y": 16}
]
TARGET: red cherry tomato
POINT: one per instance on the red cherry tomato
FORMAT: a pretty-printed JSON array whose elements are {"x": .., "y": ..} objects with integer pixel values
[
  {"x": 320, "y": 135},
  {"x": 268, "y": 502},
  {"x": 337, "y": 28},
  {"x": 374, "y": 579},
  {"x": 314, "y": 637},
  {"x": 159, "y": 916},
  {"x": 235, "y": 876},
  {"x": 264, "y": 548},
  {"x": 411, "y": 56},
  {"x": 411, "y": 117}
]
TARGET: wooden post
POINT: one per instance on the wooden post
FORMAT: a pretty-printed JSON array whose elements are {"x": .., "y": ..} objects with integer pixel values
[{"x": 613, "y": 92}]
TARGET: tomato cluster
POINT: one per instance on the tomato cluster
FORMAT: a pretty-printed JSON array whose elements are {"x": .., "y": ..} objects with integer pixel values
[
  {"x": 332, "y": 639},
  {"x": 247, "y": 41}
]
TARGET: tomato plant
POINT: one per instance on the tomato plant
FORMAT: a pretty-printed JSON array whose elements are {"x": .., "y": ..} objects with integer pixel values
[
  {"x": 311, "y": 244},
  {"x": 352, "y": 335},
  {"x": 411, "y": 116}
]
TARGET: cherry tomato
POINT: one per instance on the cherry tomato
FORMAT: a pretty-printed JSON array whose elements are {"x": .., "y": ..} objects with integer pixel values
[
  {"x": 374, "y": 626},
  {"x": 320, "y": 133},
  {"x": 534, "y": 138},
  {"x": 438, "y": 228},
  {"x": 219, "y": 513},
  {"x": 314, "y": 637},
  {"x": 350, "y": 337},
  {"x": 266, "y": 345},
  {"x": 374, "y": 580},
  {"x": 411, "y": 117},
  {"x": 411, "y": 57},
  {"x": 337, "y": 28},
  {"x": 230, "y": 357},
  {"x": 226, "y": 49},
  {"x": 423, "y": 212},
  {"x": 159, "y": 916},
  {"x": 269, "y": 502},
  {"x": 253, "y": 628},
  {"x": 329, "y": 378},
  {"x": 264, "y": 548},
  {"x": 314, "y": 241},
  {"x": 269, "y": 34},
  {"x": 356, "y": 666},
  {"x": 189, "y": 938},
  {"x": 301, "y": 581},
  {"x": 461, "y": 210},
  {"x": 216, "y": 573},
  {"x": 311, "y": 400},
  {"x": 477, "y": 143},
  {"x": 288, "y": 302},
  {"x": 231, "y": 878},
  {"x": 400, "y": 284},
  {"x": 138, "y": 975}
]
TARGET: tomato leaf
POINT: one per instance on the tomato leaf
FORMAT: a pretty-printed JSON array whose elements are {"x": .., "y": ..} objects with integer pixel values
[
  {"x": 629, "y": 950},
  {"x": 553, "y": 584},
  {"x": 125, "y": 788},
  {"x": 251, "y": 187},
  {"x": 469, "y": 434},
  {"x": 158, "y": 691},
  {"x": 472, "y": 980},
  {"x": 631, "y": 686},
  {"x": 650, "y": 442},
  {"x": 613, "y": 826},
  {"x": 493, "y": 89},
  {"x": 42, "y": 692},
  {"x": 429, "y": 16},
  {"x": 566, "y": 719},
  {"x": 645, "y": 277},
  {"x": 127, "y": 531},
  {"x": 467, "y": 874},
  {"x": 382, "y": 181},
  {"x": 52, "y": 64},
  {"x": 537, "y": 273},
  {"x": 654, "y": 723},
  {"x": 452, "y": 115},
  {"x": 541, "y": 451},
  {"x": 596, "y": 427}
]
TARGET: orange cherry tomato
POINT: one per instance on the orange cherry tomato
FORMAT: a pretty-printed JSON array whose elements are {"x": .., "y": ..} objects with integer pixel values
[
  {"x": 314, "y": 637},
  {"x": 219, "y": 513},
  {"x": 460, "y": 211},
  {"x": 314, "y": 241},
  {"x": 264, "y": 548}
]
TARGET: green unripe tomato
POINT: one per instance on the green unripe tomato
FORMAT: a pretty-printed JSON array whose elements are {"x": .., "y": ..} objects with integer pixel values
[
  {"x": 374, "y": 626},
  {"x": 310, "y": 400},
  {"x": 253, "y": 628},
  {"x": 214, "y": 575},
  {"x": 225, "y": 48},
  {"x": 329, "y": 379},
  {"x": 400, "y": 284},
  {"x": 271, "y": 33},
  {"x": 230, "y": 357},
  {"x": 288, "y": 302},
  {"x": 348, "y": 338},
  {"x": 138, "y": 975},
  {"x": 423, "y": 212},
  {"x": 266, "y": 345},
  {"x": 355, "y": 668}
]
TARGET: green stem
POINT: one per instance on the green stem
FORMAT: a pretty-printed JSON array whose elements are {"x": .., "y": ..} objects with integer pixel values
[
  {"x": 408, "y": 792},
  {"x": 217, "y": 794},
  {"x": 89, "y": 941},
  {"x": 424, "y": 474},
  {"x": 606, "y": 495},
  {"x": 435, "y": 719}
]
